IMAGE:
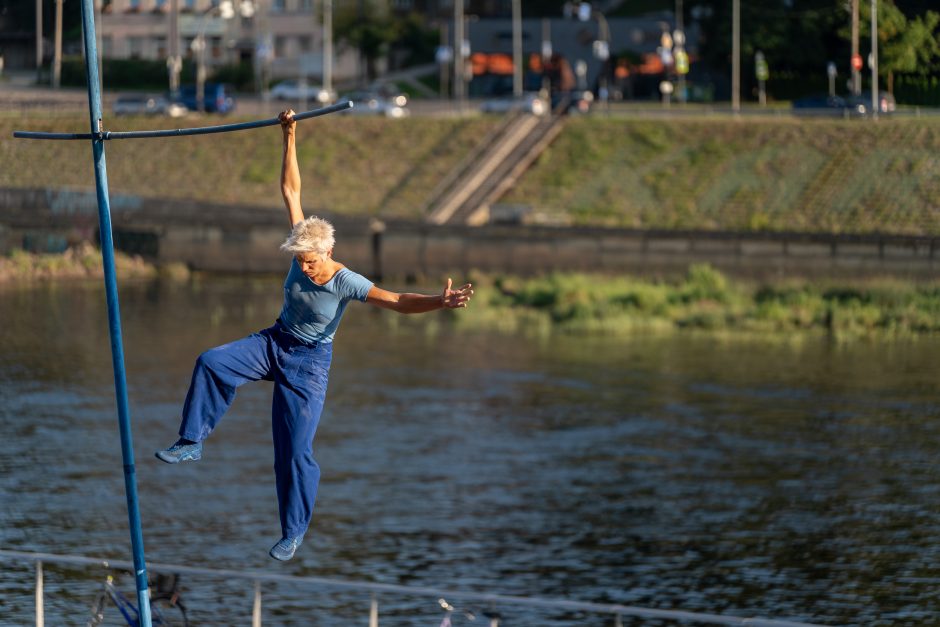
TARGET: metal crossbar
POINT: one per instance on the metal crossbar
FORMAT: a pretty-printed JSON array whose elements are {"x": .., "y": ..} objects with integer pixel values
[
  {"x": 374, "y": 588},
  {"x": 181, "y": 132}
]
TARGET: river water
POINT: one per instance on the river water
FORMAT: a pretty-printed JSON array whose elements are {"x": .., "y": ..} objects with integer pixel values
[{"x": 793, "y": 478}]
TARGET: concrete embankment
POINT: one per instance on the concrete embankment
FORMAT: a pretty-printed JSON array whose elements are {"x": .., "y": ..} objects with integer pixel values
[{"x": 245, "y": 238}]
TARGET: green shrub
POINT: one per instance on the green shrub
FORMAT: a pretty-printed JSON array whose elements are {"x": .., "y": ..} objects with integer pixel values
[{"x": 123, "y": 73}]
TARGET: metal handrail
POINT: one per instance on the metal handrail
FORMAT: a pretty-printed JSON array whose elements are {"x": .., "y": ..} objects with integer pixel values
[
  {"x": 559, "y": 604},
  {"x": 180, "y": 132}
]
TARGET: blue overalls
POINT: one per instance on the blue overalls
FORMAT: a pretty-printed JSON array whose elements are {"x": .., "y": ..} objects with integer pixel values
[{"x": 295, "y": 354}]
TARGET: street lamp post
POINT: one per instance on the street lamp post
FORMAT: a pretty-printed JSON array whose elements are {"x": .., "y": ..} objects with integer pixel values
[
  {"x": 459, "y": 60},
  {"x": 465, "y": 53},
  {"x": 874, "y": 59},
  {"x": 39, "y": 51},
  {"x": 762, "y": 72},
  {"x": 601, "y": 46},
  {"x": 517, "y": 48},
  {"x": 57, "y": 51},
  {"x": 444, "y": 55},
  {"x": 328, "y": 46},
  {"x": 174, "y": 62},
  {"x": 736, "y": 55},
  {"x": 681, "y": 57},
  {"x": 856, "y": 68}
]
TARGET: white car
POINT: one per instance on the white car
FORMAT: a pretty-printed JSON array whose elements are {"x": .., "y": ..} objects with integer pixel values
[
  {"x": 371, "y": 103},
  {"x": 528, "y": 103},
  {"x": 296, "y": 91},
  {"x": 142, "y": 104}
]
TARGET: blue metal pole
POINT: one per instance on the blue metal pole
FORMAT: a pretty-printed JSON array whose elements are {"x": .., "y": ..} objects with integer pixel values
[{"x": 114, "y": 313}]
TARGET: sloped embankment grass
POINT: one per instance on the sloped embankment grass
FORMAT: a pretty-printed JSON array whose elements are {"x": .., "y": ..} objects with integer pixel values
[
  {"x": 699, "y": 173},
  {"x": 348, "y": 165},
  {"x": 704, "y": 299},
  {"x": 759, "y": 174}
]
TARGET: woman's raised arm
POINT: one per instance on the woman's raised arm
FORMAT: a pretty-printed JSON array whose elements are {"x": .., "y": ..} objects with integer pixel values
[{"x": 290, "y": 171}]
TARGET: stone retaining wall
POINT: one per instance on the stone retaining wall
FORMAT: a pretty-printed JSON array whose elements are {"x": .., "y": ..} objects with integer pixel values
[{"x": 242, "y": 238}]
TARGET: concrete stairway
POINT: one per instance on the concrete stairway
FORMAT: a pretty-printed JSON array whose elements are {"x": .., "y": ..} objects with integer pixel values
[{"x": 465, "y": 196}]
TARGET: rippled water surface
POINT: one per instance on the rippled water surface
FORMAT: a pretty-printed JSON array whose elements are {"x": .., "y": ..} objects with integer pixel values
[{"x": 786, "y": 479}]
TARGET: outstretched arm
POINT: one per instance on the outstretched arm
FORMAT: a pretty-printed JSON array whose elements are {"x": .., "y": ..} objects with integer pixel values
[
  {"x": 420, "y": 303},
  {"x": 290, "y": 171}
]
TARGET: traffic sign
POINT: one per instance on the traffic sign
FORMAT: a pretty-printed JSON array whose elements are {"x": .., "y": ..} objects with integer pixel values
[
  {"x": 760, "y": 67},
  {"x": 682, "y": 61}
]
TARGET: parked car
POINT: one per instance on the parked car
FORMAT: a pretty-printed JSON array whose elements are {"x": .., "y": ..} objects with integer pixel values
[
  {"x": 390, "y": 92},
  {"x": 215, "y": 98},
  {"x": 862, "y": 103},
  {"x": 143, "y": 104},
  {"x": 851, "y": 106},
  {"x": 823, "y": 105},
  {"x": 371, "y": 103},
  {"x": 529, "y": 103},
  {"x": 296, "y": 91},
  {"x": 572, "y": 102}
]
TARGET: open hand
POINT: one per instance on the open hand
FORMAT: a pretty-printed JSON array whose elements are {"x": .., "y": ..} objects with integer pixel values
[{"x": 452, "y": 299}]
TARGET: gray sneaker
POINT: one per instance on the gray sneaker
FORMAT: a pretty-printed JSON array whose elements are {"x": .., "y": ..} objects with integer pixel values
[
  {"x": 285, "y": 548},
  {"x": 182, "y": 451}
]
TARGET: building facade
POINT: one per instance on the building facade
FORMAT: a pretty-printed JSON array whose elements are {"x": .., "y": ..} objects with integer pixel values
[{"x": 286, "y": 36}]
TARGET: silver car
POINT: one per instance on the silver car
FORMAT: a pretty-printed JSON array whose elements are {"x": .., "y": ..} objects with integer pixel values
[
  {"x": 371, "y": 103},
  {"x": 296, "y": 91},
  {"x": 143, "y": 104}
]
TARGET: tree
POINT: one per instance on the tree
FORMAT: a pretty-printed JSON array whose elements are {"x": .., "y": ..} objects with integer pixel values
[
  {"x": 909, "y": 45},
  {"x": 796, "y": 36},
  {"x": 367, "y": 26}
]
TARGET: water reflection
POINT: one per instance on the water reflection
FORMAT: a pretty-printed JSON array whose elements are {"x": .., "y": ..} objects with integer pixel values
[{"x": 785, "y": 479}]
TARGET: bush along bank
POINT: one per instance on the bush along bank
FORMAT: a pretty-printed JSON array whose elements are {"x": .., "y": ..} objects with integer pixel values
[
  {"x": 78, "y": 262},
  {"x": 703, "y": 299}
]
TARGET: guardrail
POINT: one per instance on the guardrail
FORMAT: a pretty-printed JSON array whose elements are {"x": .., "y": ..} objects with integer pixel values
[{"x": 258, "y": 577}]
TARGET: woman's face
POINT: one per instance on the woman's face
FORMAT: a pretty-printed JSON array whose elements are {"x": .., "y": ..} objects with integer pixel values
[{"x": 314, "y": 265}]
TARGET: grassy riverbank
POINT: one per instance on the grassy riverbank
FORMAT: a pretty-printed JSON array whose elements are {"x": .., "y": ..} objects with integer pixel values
[
  {"x": 786, "y": 174},
  {"x": 777, "y": 174},
  {"x": 354, "y": 166},
  {"x": 706, "y": 300},
  {"x": 79, "y": 262}
]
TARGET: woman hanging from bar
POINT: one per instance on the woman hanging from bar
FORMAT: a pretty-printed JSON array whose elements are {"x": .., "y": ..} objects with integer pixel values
[{"x": 295, "y": 354}]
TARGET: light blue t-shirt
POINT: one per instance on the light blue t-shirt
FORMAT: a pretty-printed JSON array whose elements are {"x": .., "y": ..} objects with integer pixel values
[{"x": 312, "y": 312}]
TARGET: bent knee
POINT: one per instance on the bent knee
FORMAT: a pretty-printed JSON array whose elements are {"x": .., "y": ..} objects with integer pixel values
[{"x": 209, "y": 359}]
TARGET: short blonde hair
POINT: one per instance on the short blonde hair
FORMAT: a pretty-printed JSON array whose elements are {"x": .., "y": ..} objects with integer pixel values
[{"x": 313, "y": 235}]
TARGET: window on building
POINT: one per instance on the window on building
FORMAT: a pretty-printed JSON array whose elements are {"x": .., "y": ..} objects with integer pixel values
[
  {"x": 279, "y": 6},
  {"x": 189, "y": 5},
  {"x": 215, "y": 44},
  {"x": 159, "y": 5},
  {"x": 305, "y": 43},
  {"x": 107, "y": 46},
  {"x": 305, "y": 5},
  {"x": 133, "y": 5},
  {"x": 280, "y": 47},
  {"x": 159, "y": 44},
  {"x": 135, "y": 47}
]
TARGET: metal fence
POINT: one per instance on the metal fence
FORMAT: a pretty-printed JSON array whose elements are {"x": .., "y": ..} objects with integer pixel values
[{"x": 255, "y": 579}]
